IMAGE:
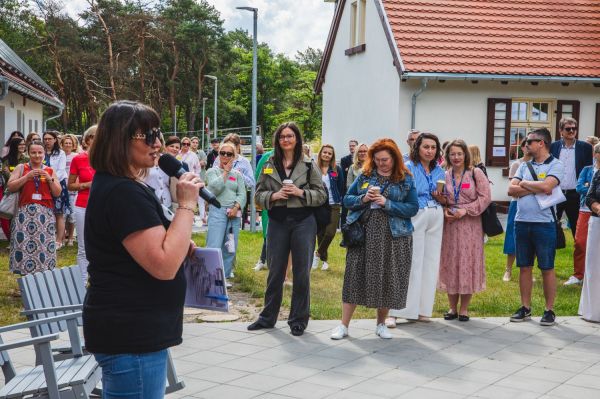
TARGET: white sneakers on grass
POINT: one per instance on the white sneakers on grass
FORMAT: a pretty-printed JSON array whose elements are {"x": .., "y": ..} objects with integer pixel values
[
  {"x": 339, "y": 332},
  {"x": 315, "y": 262},
  {"x": 573, "y": 281},
  {"x": 259, "y": 266},
  {"x": 325, "y": 266}
]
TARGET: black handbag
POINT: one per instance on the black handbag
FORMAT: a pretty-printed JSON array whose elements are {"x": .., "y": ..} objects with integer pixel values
[
  {"x": 322, "y": 212},
  {"x": 353, "y": 234},
  {"x": 560, "y": 234},
  {"x": 489, "y": 218}
]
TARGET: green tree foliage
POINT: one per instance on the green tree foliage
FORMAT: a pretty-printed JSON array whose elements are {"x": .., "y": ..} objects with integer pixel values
[{"x": 159, "y": 52}]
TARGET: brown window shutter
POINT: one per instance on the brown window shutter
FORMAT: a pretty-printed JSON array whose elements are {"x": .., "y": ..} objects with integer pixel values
[
  {"x": 560, "y": 110},
  {"x": 597, "y": 124},
  {"x": 498, "y": 131}
]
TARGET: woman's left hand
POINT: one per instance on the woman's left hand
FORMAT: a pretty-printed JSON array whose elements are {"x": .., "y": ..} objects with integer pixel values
[
  {"x": 232, "y": 212},
  {"x": 380, "y": 200},
  {"x": 460, "y": 213},
  {"x": 291, "y": 189}
]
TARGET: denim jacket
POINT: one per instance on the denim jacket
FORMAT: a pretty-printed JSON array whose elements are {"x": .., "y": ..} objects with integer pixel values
[
  {"x": 338, "y": 184},
  {"x": 401, "y": 203},
  {"x": 582, "y": 188}
]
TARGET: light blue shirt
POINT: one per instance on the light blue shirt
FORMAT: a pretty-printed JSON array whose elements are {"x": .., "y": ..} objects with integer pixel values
[
  {"x": 528, "y": 209},
  {"x": 425, "y": 183}
]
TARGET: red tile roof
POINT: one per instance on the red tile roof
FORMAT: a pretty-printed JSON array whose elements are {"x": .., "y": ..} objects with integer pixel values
[
  {"x": 512, "y": 37},
  {"x": 550, "y": 38}
]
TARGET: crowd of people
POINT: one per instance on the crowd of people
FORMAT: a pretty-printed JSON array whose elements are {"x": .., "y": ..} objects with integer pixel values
[{"x": 411, "y": 224}]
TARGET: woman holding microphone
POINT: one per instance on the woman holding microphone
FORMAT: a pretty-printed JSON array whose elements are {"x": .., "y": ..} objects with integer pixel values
[
  {"x": 133, "y": 310},
  {"x": 289, "y": 187}
]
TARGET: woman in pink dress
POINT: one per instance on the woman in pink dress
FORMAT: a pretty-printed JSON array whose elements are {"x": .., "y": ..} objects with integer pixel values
[{"x": 462, "y": 264}]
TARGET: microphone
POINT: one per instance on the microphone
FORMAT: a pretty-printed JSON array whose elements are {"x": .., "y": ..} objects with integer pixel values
[{"x": 173, "y": 168}]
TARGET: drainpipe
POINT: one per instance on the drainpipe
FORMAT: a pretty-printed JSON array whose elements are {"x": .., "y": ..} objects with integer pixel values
[
  {"x": 3, "y": 87},
  {"x": 60, "y": 111},
  {"x": 414, "y": 101}
]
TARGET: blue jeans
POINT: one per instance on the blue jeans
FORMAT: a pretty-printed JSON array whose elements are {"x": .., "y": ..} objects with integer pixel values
[
  {"x": 218, "y": 229},
  {"x": 133, "y": 376},
  {"x": 535, "y": 240}
]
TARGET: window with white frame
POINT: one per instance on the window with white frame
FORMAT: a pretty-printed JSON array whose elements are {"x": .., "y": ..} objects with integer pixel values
[{"x": 358, "y": 11}]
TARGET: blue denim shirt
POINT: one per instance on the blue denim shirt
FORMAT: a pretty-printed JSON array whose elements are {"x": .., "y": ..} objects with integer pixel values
[
  {"x": 585, "y": 176},
  {"x": 402, "y": 203},
  {"x": 338, "y": 184}
]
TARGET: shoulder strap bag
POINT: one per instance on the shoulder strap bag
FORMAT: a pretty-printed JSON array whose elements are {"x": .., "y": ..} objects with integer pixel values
[
  {"x": 489, "y": 218},
  {"x": 322, "y": 212},
  {"x": 560, "y": 234},
  {"x": 10, "y": 202}
]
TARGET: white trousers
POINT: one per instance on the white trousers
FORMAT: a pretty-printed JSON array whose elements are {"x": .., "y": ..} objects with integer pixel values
[
  {"x": 427, "y": 247},
  {"x": 81, "y": 258},
  {"x": 201, "y": 207},
  {"x": 589, "y": 304}
]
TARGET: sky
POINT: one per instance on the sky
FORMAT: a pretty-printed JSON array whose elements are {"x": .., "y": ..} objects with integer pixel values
[{"x": 287, "y": 26}]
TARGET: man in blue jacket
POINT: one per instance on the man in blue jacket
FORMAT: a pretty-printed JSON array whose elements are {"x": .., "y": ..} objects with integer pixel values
[{"x": 575, "y": 155}]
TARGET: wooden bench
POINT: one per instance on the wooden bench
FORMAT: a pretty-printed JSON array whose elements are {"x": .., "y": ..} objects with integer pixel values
[
  {"x": 59, "y": 291},
  {"x": 75, "y": 377}
]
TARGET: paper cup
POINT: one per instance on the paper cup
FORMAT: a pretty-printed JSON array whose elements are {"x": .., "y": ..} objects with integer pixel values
[{"x": 440, "y": 186}]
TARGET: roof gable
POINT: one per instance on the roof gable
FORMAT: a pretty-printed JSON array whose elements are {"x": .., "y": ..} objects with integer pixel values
[
  {"x": 23, "y": 79},
  {"x": 508, "y": 38}
]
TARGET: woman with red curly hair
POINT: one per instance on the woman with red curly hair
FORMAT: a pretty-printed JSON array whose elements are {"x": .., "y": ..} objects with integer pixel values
[{"x": 382, "y": 199}]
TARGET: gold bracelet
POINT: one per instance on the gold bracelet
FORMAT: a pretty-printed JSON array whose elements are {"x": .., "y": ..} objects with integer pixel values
[{"x": 187, "y": 208}]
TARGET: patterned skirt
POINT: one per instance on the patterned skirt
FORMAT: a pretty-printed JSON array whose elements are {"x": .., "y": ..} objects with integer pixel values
[
  {"x": 377, "y": 273},
  {"x": 33, "y": 241}
]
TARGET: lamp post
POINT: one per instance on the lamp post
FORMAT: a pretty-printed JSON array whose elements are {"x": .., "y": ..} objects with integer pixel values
[
  {"x": 254, "y": 84},
  {"x": 203, "y": 122},
  {"x": 215, "y": 117}
]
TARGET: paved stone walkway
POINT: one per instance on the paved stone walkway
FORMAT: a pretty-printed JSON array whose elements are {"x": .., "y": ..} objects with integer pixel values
[{"x": 484, "y": 358}]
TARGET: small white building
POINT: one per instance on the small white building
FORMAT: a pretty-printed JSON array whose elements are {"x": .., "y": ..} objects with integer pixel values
[
  {"x": 483, "y": 71},
  {"x": 23, "y": 94}
]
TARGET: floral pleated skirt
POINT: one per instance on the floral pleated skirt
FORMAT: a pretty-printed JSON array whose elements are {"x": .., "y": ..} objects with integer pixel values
[{"x": 33, "y": 240}]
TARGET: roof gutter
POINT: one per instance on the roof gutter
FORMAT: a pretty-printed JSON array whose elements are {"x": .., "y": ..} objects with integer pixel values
[
  {"x": 3, "y": 87},
  {"x": 45, "y": 100},
  {"x": 60, "y": 111},
  {"x": 414, "y": 102},
  {"x": 483, "y": 76}
]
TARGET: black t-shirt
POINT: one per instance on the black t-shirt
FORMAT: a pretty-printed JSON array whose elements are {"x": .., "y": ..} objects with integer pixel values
[{"x": 126, "y": 310}]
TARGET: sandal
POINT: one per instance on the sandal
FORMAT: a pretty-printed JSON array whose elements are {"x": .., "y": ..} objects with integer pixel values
[
  {"x": 450, "y": 316},
  {"x": 463, "y": 317}
]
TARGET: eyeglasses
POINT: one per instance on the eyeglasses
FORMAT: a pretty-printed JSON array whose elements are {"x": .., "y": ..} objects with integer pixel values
[
  {"x": 570, "y": 129},
  {"x": 287, "y": 137},
  {"x": 529, "y": 141},
  {"x": 185, "y": 144},
  {"x": 150, "y": 136},
  {"x": 226, "y": 154},
  {"x": 363, "y": 152}
]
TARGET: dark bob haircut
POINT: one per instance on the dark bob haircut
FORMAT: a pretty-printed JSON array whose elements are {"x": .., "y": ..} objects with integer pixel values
[
  {"x": 109, "y": 152},
  {"x": 278, "y": 152}
]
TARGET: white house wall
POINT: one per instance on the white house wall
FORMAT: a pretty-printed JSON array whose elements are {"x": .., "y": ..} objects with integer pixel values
[
  {"x": 458, "y": 109},
  {"x": 32, "y": 111},
  {"x": 360, "y": 92}
]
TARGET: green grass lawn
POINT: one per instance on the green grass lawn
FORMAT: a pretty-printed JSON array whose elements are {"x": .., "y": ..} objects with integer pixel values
[{"x": 499, "y": 299}]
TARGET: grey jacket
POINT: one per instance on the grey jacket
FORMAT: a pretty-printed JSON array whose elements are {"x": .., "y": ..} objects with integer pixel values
[{"x": 269, "y": 182}]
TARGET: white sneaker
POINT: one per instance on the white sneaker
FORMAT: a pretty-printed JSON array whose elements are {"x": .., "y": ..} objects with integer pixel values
[
  {"x": 382, "y": 331},
  {"x": 390, "y": 322},
  {"x": 259, "y": 266},
  {"x": 228, "y": 284},
  {"x": 573, "y": 281},
  {"x": 325, "y": 266},
  {"x": 339, "y": 332},
  {"x": 507, "y": 276},
  {"x": 315, "y": 263}
]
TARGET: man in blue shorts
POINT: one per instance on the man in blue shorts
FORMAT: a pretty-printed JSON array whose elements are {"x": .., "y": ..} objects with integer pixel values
[{"x": 535, "y": 230}]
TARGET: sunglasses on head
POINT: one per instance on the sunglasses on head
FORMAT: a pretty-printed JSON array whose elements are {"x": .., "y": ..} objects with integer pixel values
[
  {"x": 149, "y": 137},
  {"x": 570, "y": 129},
  {"x": 226, "y": 154},
  {"x": 530, "y": 141}
]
